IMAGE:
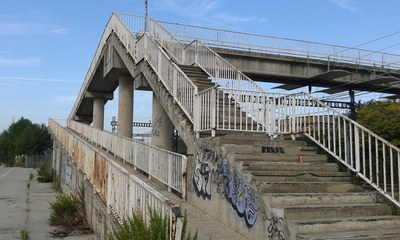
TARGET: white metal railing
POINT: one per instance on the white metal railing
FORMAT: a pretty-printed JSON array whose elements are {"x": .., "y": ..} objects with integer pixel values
[
  {"x": 168, "y": 41},
  {"x": 281, "y": 46},
  {"x": 165, "y": 166},
  {"x": 244, "y": 110},
  {"x": 121, "y": 191},
  {"x": 371, "y": 157},
  {"x": 175, "y": 80}
]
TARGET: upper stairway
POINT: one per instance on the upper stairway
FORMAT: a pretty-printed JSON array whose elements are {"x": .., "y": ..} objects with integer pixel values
[{"x": 198, "y": 77}]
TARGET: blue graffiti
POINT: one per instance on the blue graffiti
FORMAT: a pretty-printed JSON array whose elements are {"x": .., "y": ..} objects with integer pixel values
[{"x": 243, "y": 199}]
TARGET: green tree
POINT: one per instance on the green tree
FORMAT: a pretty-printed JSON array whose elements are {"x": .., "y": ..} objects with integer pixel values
[
  {"x": 382, "y": 118},
  {"x": 23, "y": 137}
]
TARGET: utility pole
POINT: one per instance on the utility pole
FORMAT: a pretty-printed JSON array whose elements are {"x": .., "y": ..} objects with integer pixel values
[{"x": 146, "y": 13}]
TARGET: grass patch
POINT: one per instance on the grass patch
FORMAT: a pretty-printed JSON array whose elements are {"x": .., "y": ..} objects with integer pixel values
[
  {"x": 135, "y": 228},
  {"x": 68, "y": 210},
  {"x": 31, "y": 176},
  {"x": 24, "y": 235},
  {"x": 43, "y": 175}
]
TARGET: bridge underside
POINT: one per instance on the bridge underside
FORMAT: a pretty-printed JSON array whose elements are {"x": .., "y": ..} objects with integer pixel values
[{"x": 297, "y": 72}]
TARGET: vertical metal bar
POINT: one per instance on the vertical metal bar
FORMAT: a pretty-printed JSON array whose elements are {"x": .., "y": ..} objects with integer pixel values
[
  {"x": 391, "y": 172},
  {"x": 345, "y": 141},
  {"x": 334, "y": 134},
  {"x": 329, "y": 130},
  {"x": 384, "y": 167},
  {"x": 213, "y": 113},
  {"x": 351, "y": 148},
  {"x": 170, "y": 172},
  {"x": 377, "y": 161},
  {"x": 357, "y": 148},
  {"x": 370, "y": 156},
  {"x": 363, "y": 152}
]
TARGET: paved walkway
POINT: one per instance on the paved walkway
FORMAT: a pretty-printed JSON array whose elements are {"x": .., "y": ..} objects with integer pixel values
[{"x": 23, "y": 208}]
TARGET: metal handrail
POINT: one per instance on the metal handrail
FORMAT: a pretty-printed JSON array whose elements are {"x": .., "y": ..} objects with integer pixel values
[
  {"x": 371, "y": 157},
  {"x": 182, "y": 89},
  {"x": 166, "y": 166},
  {"x": 121, "y": 191},
  {"x": 283, "y": 46}
]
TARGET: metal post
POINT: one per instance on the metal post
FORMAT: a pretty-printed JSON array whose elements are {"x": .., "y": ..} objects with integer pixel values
[
  {"x": 146, "y": 13},
  {"x": 352, "y": 105}
]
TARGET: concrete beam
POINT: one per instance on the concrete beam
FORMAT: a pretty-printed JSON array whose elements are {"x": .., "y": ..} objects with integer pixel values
[{"x": 96, "y": 94}]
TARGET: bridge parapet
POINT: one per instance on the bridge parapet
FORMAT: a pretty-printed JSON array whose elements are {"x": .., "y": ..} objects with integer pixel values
[
  {"x": 121, "y": 191},
  {"x": 165, "y": 166}
]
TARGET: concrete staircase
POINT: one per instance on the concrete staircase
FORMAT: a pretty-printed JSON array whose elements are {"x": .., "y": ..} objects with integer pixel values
[
  {"x": 310, "y": 199},
  {"x": 198, "y": 77}
]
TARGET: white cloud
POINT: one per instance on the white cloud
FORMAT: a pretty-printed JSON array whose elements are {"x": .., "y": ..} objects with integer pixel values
[
  {"x": 348, "y": 5},
  {"x": 229, "y": 18},
  {"x": 208, "y": 11},
  {"x": 65, "y": 99},
  {"x": 60, "y": 31},
  {"x": 14, "y": 28},
  {"x": 27, "y": 62}
]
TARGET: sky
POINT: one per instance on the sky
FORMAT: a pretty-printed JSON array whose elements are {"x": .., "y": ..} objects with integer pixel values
[{"x": 46, "y": 46}]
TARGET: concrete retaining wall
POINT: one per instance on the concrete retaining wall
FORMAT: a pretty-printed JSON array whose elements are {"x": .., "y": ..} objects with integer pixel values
[{"x": 71, "y": 179}]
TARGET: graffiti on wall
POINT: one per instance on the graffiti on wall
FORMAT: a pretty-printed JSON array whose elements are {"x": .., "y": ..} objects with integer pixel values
[
  {"x": 275, "y": 228},
  {"x": 211, "y": 167},
  {"x": 155, "y": 130},
  {"x": 202, "y": 178},
  {"x": 236, "y": 191}
]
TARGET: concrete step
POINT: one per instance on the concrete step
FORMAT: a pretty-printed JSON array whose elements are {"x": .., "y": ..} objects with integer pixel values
[
  {"x": 290, "y": 166},
  {"x": 302, "y": 177},
  {"x": 370, "y": 234},
  {"x": 258, "y": 138},
  {"x": 268, "y": 148},
  {"x": 314, "y": 226},
  {"x": 292, "y": 199},
  {"x": 315, "y": 187},
  {"x": 307, "y": 212},
  {"x": 265, "y": 157}
]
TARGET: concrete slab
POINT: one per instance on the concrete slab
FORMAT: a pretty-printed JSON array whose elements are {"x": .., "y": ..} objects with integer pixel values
[{"x": 23, "y": 208}]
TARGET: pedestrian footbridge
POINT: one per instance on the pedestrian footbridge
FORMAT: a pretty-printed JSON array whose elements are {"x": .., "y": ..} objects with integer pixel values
[{"x": 256, "y": 164}]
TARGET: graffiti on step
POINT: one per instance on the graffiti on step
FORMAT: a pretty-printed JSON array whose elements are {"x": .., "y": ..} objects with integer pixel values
[
  {"x": 202, "y": 175},
  {"x": 236, "y": 191},
  {"x": 212, "y": 168},
  {"x": 277, "y": 150},
  {"x": 275, "y": 228}
]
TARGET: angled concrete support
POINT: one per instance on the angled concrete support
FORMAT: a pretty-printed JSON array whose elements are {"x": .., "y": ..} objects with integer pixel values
[
  {"x": 125, "y": 106},
  {"x": 162, "y": 133}
]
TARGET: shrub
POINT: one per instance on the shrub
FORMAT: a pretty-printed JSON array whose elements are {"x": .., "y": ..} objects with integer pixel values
[
  {"x": 63, "y": 210},
  {"x": 135, "y": 228},
  {"x": 43, "y": 175},
  {"x": 24, "y": 235}
]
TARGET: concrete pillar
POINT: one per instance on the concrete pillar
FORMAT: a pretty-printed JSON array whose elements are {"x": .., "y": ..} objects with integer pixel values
[
  {"x": 162, "y": 132},
  {"x": 98, "y": 113},
  {"x": 125, "y": 106}
]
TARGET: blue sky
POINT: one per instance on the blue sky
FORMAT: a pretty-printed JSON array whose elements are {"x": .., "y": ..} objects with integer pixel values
[{"x": 46, "y": 46}]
